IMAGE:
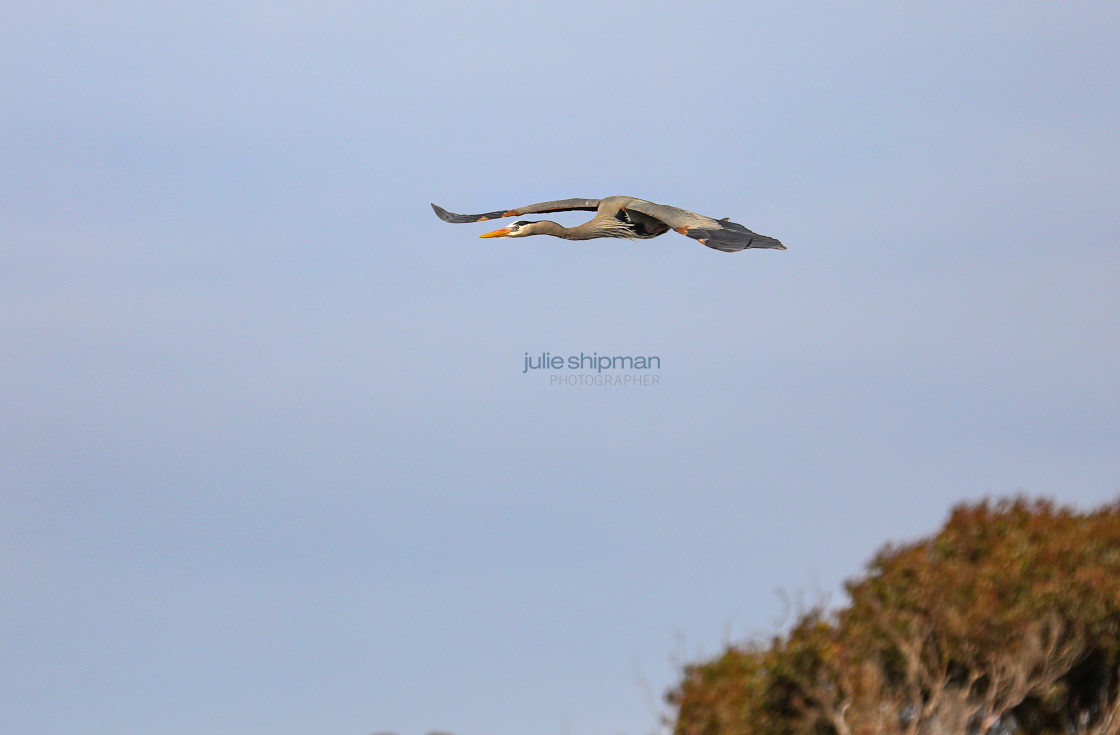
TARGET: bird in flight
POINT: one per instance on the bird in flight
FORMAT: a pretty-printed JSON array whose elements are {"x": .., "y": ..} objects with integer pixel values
[{"x": 620, "y": 216}]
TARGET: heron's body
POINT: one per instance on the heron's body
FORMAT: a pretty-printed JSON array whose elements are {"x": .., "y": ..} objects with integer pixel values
[{"x": 622, "y": 216}]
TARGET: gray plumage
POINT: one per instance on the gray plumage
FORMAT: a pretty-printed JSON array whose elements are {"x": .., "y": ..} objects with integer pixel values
[{"x": 622, "y": 216}]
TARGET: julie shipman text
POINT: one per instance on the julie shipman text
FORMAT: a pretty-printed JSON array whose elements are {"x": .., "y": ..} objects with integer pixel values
[{"x": 594, "y": 361}]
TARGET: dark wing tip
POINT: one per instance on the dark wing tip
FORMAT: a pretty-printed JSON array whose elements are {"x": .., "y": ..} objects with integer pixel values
[
  {"x": 443, "y": 214},
  {"x": 446, "y": 216},
  {"x": 731, "y": 237}
]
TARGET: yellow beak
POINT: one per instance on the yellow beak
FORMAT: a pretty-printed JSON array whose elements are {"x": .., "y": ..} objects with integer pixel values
[{"x": 497, "y": 233}]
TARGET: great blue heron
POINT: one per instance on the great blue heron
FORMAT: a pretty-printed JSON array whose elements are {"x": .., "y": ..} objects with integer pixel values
[{"x": 620, "y": 216}]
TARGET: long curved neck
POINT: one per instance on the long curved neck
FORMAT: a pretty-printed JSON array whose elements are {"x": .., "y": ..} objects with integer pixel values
[
  {"x": 547, "y": 227},
  {"x": 587, "y": 231}
]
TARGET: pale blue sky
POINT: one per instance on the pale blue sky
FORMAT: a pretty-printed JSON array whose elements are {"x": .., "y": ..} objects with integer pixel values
[{"x": 268, "y": 462}]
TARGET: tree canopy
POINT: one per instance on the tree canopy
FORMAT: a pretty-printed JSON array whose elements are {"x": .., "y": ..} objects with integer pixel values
[{"x": 1005, "y": 622}]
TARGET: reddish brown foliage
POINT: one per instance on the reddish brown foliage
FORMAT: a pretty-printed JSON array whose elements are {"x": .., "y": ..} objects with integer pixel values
[{"x": 1007, "y": 620}]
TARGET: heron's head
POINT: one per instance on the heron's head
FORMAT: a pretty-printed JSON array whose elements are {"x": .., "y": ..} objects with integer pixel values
[{"x": 521, "y": 228}]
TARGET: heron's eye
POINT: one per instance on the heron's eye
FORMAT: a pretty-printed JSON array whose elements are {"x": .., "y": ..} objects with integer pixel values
[{"x": 515, "y": 228}]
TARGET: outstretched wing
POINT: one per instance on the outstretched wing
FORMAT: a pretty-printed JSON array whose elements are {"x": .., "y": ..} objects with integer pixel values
[
  {"x": 721, "y": 234},
  {"x": 562, "y": 205}
]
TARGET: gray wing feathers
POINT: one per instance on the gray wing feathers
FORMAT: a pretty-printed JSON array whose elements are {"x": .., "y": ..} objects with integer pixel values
[
  {"x": 720, "y": 234},
  {"x": 446, "y": 216},
  {"x": 731, "y": 237},
  {"x": 561, "y": 205},
  {"x": 672, "y": 216}
]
